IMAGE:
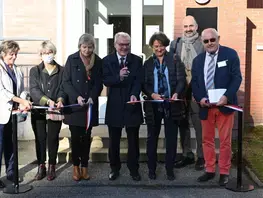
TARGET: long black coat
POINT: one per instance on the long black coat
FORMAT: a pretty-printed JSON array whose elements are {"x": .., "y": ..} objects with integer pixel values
[
  {"x": 118, "y": 112},
  {"x": 76, "y": 83},
  {"x": 177, "y": 79}
]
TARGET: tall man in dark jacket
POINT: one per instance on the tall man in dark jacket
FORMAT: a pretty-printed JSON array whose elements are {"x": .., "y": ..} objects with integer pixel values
[
  {"x": 187, "y": 48},
  {"x": 121, "y": 74}
]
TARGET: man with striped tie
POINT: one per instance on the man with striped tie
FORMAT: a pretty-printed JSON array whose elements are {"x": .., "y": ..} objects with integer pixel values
[{"x": 217, "y": 68}]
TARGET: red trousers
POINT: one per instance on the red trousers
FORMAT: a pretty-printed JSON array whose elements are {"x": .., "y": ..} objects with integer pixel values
[{"x": 224, "y": 123}]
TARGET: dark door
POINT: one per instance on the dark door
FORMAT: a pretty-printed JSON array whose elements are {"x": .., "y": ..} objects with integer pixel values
[
  {"x": 120, "y": 24},
  {"x": 205, "y": 17}
]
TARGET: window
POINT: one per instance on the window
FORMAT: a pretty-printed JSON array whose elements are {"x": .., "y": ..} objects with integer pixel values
[{"x": 254, "y": 4}]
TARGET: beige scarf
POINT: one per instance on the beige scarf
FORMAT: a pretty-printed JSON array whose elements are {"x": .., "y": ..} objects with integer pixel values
[{"x": 90, "y": 65}]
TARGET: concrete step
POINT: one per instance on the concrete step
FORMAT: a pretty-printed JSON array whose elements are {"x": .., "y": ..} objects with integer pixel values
[
  {"x": 101, "y": 155},
  {"x": 102, "y": 132}
]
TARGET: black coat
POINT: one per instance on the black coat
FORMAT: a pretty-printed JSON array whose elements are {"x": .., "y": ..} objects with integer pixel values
[
  {"x": 76, "y": 83},
  {"x": 118, "y": 112},
  {"x": 177, "y": 79},
  {"x": 42, "y": 85}
]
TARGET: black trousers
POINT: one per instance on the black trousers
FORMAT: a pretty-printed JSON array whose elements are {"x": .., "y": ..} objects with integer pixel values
[
  {"x": 6, "y": 146},
  {"x": 46, "y": 133},
  {"x": 80, "y": 145},
  {"x": 133, "y": 148},
  {"x": 171, "y": 132}
]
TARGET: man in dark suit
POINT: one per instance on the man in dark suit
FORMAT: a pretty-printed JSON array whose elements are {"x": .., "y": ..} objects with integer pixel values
[
  {"x": 122, "y": 75},
  {"x": 217, "y": 68}
]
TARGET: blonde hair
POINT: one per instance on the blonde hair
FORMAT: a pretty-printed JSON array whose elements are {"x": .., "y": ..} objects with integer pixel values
[
  {"x": 47, "y": 46},
  {"x": 8, "y": 46}
]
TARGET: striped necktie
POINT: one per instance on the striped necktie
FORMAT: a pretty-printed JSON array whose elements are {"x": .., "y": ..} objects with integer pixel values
[{"x": 210, "y": 73}]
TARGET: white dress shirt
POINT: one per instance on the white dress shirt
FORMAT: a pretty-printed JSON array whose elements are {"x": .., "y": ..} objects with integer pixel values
[{"x": 207, "y": 61}]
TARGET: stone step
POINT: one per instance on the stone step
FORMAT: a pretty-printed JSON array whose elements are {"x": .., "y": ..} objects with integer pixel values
[
  {"x": 102, "y": 132},
  {"x": 101, "y": 155}
]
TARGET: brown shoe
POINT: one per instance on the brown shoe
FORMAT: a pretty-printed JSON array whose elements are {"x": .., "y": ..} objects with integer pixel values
[
  {"x": 84, "y": 173},
  {"x": 76, "y": 173},
  {"x": 51, "y": 174},
  {"x": 41, "y": 173}
]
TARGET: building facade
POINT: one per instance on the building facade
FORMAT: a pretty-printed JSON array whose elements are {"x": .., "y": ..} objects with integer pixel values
[{"x": 239, "y": 23}]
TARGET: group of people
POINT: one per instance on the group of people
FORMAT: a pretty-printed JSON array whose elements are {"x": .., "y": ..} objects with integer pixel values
[{"x": 180, "y": 77}]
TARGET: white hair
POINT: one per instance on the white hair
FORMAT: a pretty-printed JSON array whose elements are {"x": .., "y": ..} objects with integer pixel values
[
  {"x": 213, "y": 30},
  {"x": 121, "y": 34}
]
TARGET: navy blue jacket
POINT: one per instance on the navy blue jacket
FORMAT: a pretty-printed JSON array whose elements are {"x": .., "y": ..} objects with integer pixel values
[
  {"x": 227, "y": 77},
  {"x": 118, "y": 113}
]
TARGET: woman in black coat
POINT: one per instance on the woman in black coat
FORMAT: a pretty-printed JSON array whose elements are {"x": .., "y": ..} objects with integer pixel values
[
  {"x": 82, "y": 82},
  {"x": 163, "y": 79},
  {"x": 44, "y": 84}
]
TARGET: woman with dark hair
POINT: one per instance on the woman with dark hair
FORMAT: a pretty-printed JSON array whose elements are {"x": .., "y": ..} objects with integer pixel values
[
  {"x": 82, "y": 82},
  {"x": 163, "y": 79}
]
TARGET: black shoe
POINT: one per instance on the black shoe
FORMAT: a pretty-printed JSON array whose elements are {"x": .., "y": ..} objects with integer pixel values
[
  {"x": 170, "y": 175},
  {"x": 135, "y": 176},
  {"x": 2, "y": 184},
  {"x": 114, "y": 175},
  {"x": 186, "y": 161},
  {"x": 223, "y": 180},
  {"x": 200, "y": 164},
  {"x": 152, "y": 175},
  {"x": 206, "y": 176}
]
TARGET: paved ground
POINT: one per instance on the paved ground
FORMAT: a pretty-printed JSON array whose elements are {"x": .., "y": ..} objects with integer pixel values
[{"x": 185, "y": 184}]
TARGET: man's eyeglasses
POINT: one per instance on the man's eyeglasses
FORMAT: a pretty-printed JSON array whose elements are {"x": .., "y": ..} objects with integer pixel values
[
  {"x": 124, "y": 44},
  {"x": 212, "y": 40}
]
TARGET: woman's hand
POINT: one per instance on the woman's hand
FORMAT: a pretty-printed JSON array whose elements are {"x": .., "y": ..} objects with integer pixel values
[
  {"x": 25, "y": 105},
  {"x": 81, "y": 101},
  {"x": 51, "y": 103},
  {"x": 59, "y": 105}
]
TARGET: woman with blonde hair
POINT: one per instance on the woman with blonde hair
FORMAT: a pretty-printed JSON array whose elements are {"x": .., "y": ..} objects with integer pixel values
[
  {"x": 45, "y": 90},
  {"x": 82, "y": 82},
  {"x": 12, "y": 95}
]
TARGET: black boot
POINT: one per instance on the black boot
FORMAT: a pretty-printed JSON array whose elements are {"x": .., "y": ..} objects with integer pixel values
[{"x": 41, "y": 173}]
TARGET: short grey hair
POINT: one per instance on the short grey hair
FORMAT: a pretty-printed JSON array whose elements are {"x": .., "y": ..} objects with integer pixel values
[
  {"x": 213, "y": 30},
  {"x": 121, "y": 34},
  {"x": 86, "y": 38},
  {"x": 47, "y": 46}
]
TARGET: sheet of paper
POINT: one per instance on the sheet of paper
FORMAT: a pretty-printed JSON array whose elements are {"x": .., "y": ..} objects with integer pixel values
[{"x": 214, "y": 95}]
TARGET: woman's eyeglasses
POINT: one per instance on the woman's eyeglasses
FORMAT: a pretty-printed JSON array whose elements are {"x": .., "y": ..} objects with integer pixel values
[{"x": 212, "y": 40}]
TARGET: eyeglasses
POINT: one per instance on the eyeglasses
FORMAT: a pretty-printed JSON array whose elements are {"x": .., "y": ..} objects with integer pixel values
[
  {"x": 212, "y": 40},
  {"x": 124, "y": 44}
]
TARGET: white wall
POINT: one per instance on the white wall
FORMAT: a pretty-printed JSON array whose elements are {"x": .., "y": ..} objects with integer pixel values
[{"x": 1, "y": 18}]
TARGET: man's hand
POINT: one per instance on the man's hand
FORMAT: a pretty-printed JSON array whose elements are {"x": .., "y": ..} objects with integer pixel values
[
  {"x": 222, "y": 101},
  {"x": 175, "y": 96},
  {"x": 156, "y": 96},
  {"x": 133, "y": 98},
  {"x": 204, "y": 102},
  {"x": 124, "y": 72},
  {"x": 80, "y": 100}
]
